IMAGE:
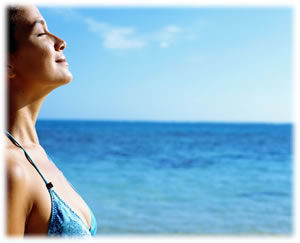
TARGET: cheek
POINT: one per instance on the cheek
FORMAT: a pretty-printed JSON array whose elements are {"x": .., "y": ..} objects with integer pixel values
[{"x": 34, "y": 63}]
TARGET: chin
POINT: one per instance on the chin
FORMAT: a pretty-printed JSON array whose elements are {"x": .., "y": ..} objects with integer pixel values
[{"x": 67, "y": 78}]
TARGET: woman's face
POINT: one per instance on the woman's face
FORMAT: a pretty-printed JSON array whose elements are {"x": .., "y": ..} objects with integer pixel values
[{"x": 38, "y": 61}]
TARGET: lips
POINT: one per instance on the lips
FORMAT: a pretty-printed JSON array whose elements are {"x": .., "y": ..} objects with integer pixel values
[{"x": 61, "y": 59}]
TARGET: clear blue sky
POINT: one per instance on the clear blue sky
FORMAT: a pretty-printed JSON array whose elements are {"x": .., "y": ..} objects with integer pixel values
[{"x": 174, "y": 64}]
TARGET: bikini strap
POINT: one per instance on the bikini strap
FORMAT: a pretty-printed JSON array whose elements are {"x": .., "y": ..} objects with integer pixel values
[{"x": 48, "y": 184}]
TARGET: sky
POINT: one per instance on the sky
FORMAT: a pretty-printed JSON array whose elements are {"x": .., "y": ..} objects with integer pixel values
[{"x": 174, "y": 63}]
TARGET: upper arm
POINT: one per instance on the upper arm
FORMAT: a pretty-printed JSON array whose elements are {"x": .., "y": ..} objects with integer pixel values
[{"x": 17, "y": 199}]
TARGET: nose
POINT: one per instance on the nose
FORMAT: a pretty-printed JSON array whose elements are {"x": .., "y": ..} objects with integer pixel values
[{"x": 60, "y": 44}]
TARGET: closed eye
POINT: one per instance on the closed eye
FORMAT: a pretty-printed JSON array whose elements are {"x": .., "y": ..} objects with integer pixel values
[{"x": 41, "y": 34}]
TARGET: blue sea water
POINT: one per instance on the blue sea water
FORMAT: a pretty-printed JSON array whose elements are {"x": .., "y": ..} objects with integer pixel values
[{"x": 178, "y": 178}]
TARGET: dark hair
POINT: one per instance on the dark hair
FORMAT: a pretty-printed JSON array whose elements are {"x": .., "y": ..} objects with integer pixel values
[{"x": 13, "y": 13}]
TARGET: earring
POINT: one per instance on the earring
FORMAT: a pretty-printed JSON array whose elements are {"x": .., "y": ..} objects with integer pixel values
[{"x": 11, "y": 73}]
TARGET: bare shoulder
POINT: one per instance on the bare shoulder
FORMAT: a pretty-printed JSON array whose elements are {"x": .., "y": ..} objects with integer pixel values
[
  {"x": 15, "y": 173},
  {"x": 17, "y": 178},
  {"x": 18, "y": 194},
  {"x": 18, "y": 182}
]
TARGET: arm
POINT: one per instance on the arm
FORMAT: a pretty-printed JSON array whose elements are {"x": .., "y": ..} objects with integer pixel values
[{"x": 17, "y": 199}]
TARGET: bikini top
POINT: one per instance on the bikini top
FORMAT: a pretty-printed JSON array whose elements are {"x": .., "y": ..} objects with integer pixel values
[{"x": 63, "y": 220}]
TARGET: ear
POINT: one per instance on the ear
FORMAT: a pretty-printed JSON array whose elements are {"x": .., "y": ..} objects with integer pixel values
[{"x": 11, "y": 73}]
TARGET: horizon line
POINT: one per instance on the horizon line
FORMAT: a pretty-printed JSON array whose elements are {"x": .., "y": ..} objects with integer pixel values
[{"x": 163, "y": 121}]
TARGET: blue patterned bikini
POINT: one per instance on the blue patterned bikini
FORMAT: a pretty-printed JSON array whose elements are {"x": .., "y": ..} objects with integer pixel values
[{"x": 63, "y": 221}]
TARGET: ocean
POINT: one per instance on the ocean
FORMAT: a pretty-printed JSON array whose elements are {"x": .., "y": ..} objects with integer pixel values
[{"x": 161, "y": 178}]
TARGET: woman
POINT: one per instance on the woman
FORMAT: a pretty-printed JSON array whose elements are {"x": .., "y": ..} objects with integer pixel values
[{"x": 39, "y": 198}]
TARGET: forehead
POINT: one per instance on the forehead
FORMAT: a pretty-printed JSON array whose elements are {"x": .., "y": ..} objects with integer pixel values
[
  {"x": 29, "y": 13},
  {"x": 27, "y": 17}
]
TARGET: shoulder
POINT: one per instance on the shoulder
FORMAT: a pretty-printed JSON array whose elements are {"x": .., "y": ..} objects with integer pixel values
[
  {"x": 17, "y": 179},
  {"x": 19, "y": 202},
  {"x": 15, "y": 171},
  {"x": 16, "y": 174}
]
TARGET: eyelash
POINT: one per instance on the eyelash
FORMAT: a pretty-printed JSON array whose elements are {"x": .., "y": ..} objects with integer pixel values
[{"x": 41, "y": 34}]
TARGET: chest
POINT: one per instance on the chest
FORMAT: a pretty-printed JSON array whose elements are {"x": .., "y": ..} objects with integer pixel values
[{"x": 42, "y": 210}]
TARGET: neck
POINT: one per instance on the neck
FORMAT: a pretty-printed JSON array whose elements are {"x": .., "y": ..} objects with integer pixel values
[{"x": 21, "y": 119}]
